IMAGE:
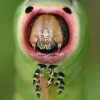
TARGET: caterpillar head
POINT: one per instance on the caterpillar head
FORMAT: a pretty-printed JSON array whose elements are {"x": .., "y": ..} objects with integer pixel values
[{"x": 50, "y": 32}]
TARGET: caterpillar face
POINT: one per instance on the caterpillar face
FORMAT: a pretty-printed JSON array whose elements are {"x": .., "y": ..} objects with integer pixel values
[{"x": 48, "y": 33}]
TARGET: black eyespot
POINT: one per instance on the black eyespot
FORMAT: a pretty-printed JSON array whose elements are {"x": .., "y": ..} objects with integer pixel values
[
  {"x": 29, "y": 9},
  {"x": 67, "y": 10}
]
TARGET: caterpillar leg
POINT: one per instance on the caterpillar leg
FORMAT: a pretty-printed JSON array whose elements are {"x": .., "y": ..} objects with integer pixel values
[
  {"x": 60, "y": 83},
  {"x": 51, "y": 78},
  {"x": 52, "y": 74},
  {"x": 38, "y": 72},
  {"x": 61, "y": 87},
  {"x": 52, "y": 67},
  {"x": 38, "y": 89},
  {"x": 36, "y": 80},
  {"x": 42, "y": 66},
  {"x": 36, "y": 76}
]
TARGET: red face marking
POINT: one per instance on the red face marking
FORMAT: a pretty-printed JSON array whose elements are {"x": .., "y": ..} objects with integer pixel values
[{"x": 57, "y": 55}]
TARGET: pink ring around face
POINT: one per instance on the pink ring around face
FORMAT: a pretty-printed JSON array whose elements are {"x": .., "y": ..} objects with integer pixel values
[{"x": 55, "y": 56}]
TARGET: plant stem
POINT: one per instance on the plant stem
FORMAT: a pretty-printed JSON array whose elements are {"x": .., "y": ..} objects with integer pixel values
[{"x": 44, "y": 88}]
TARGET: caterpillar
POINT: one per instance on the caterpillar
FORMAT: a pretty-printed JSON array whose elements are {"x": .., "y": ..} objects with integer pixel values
[{"x": 51, "y": 39}]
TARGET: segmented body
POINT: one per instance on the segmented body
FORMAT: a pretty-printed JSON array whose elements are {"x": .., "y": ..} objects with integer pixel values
[{"x": 66, "y": 50}]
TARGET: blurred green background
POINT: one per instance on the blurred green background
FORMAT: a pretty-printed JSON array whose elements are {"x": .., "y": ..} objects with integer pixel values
[{"x": 7, "y": 71}]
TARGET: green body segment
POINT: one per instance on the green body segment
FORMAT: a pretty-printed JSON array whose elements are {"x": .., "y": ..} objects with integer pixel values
[{"x": 72, "y": 67}]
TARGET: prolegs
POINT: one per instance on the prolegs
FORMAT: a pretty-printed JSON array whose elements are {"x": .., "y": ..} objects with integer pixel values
[{"x": 59, "y": 82}]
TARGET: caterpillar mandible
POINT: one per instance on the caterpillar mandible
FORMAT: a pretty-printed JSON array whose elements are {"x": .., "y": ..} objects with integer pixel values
[{"x": 51, "y": 38}]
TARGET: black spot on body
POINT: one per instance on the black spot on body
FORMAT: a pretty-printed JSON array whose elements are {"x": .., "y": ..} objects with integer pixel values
[
  {"x": 60, "y": 80},
  {"x": 29, "y": 9},
  {"x": 56, "y": 84},
  {"x": 34, "y": 82},
  {"x": 61, "y": 87},
  {"x": 38, "y": 95},
  {"x": 62, "y": 74},
  {"x": 38, "y": 71},
  {"x": 37, "y": 86},
  {"x": 54, "y": 74},
  {"x": 67, "y": 10},
  {"x": 59, "y": 92},
  {"x": 52, "y": 79},
  {"x": 52, "y": 67},
  {"x": 36, "y": 76},
  {"x": 42, "y": 66}
]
